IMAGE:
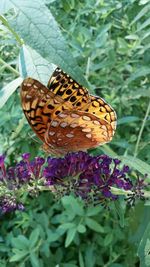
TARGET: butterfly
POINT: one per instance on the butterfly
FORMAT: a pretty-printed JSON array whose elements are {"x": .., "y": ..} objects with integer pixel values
[{"x": 65, "y": 116}]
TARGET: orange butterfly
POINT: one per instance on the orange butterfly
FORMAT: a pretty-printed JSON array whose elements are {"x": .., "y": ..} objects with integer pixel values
[{"x": 65, "y": 116}]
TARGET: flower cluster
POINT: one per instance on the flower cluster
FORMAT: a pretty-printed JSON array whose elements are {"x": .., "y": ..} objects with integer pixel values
[
  {"x": 88, "y": 177},
  {"x": 16, "y": 180}
]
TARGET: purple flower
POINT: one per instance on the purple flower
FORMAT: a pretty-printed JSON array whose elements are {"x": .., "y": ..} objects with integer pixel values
[
  {"x": 138, "y": 188},
  {"x": 88, "y": 177},
  {"x": 9, "y": 204},
  {"x": 25, "y": 173}
]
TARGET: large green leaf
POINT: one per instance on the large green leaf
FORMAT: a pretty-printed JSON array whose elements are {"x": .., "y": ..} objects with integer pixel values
[
  {"x": 34, "y": 65},
  {"x": 144, "y": 248},
  {"x": 92, "y": 224},
  {"x": 142, "y": 71},
  {"x": 136, "y": 164},
  {"x": 5, "y": 6},
  {"x": 144, "y": 25},
  {"x": 142, "y": 12},
  {"x": 70, "y": 236},
  {"x": 34, "y": 260},
  {"x": 38, "y": 28},
  {"x": 19, "y": 255},
  {"x": 34, "y": 237},
  {"x": 8, "y": 90},
  {"x": 127, "y": 119}
]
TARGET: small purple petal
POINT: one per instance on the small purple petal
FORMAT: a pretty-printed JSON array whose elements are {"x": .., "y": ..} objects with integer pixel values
[
  {"x": 26, "y": 156},
  {"x": 40, "y": 161},
  {"x": 117, "y": 161},
  {"x": 2, "y": 158}
]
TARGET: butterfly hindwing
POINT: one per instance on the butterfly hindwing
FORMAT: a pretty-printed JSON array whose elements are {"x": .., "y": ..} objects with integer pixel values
[{"x": 74, "y": 130}]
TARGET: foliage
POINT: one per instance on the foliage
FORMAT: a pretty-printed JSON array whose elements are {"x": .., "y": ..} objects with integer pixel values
[{"x": 109, "y": 40}]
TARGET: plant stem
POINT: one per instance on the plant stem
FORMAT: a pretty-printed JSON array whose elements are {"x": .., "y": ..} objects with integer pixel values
[
  {"x": 114, "y": 190},
  {"x": 9, "y": 67},
  {"x": 87, "y": 68},
  {"x": 5, "y": 22},
  {"x": 141, "y": 130}
]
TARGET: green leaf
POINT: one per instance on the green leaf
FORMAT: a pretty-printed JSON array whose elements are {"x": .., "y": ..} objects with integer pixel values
[
  {"x": 81, "y": 228},
  {"x": 108, "y": 151},
  {"x": 68, "y": 265},
  {"x": 38, "y": 28},
  {"x": 136, "y": 163},
  {"x": 33, "y": 65},
  {"x": 141, "y": 218},
  {"x": 143, "y": 25},
  {"x": 108, "y": 239},
  {"x": 144, "y": 248},
  {"x": 44, "y": 249},
  {"x": 91, "y": 211},
  {"x": 18, "y": 255},
  {"x": 81, "y": 260},
  {"x": 127, "y": 119},
  {"x": 34, "y": 260},
  {"x": 142, "y": 12},
  {"x": 143, "y": 2},
  {"x": 73, "y": 203},
  {"x": 92, "y": 224},
  {"x": 20, "y": 242},
  {"x": 53, "y": 236},
  {"x": 8, "y": 90},
  {"x": 123, "y": 47},
  {"x": 5, "y": 6},
  {"x": 90, "y": 256},
  {"x": 70, "y": 236},
  {"x": 68, "y": 5},
  {"x": 142, "y": 71},
  {"x": 103, "y": 35},
  {"x": 66, "y": 226},
  {"x": 49, "y": 1},
  {"x": 34, "y": 237},
  {"x": 120, "y": 211}
]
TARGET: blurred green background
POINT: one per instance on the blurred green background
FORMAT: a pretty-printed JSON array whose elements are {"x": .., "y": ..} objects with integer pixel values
[{"x": 104, "y": 45}]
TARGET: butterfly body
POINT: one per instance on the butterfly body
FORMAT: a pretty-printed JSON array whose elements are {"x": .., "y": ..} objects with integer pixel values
[{"x": 65, "y": 116}]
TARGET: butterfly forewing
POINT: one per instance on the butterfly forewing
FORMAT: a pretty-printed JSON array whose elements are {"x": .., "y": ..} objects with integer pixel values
[
  {"x": 63, "y": 85},
  {"x": 40, "y": 105}
]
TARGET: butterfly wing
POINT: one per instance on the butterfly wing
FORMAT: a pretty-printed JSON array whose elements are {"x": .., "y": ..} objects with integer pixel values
[
  {"x": 40, "y": 105},
  {"x": 65, "y": 116},
  {"x": 62, "y": 84},
  {"x": 77, "y": 130},
  {"x": 98, "y": 107},
  {"x": 72, "y": 92}
]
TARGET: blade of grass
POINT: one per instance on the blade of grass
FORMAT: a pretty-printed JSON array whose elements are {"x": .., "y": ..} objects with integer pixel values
[{"x": 141, "y": 130}]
